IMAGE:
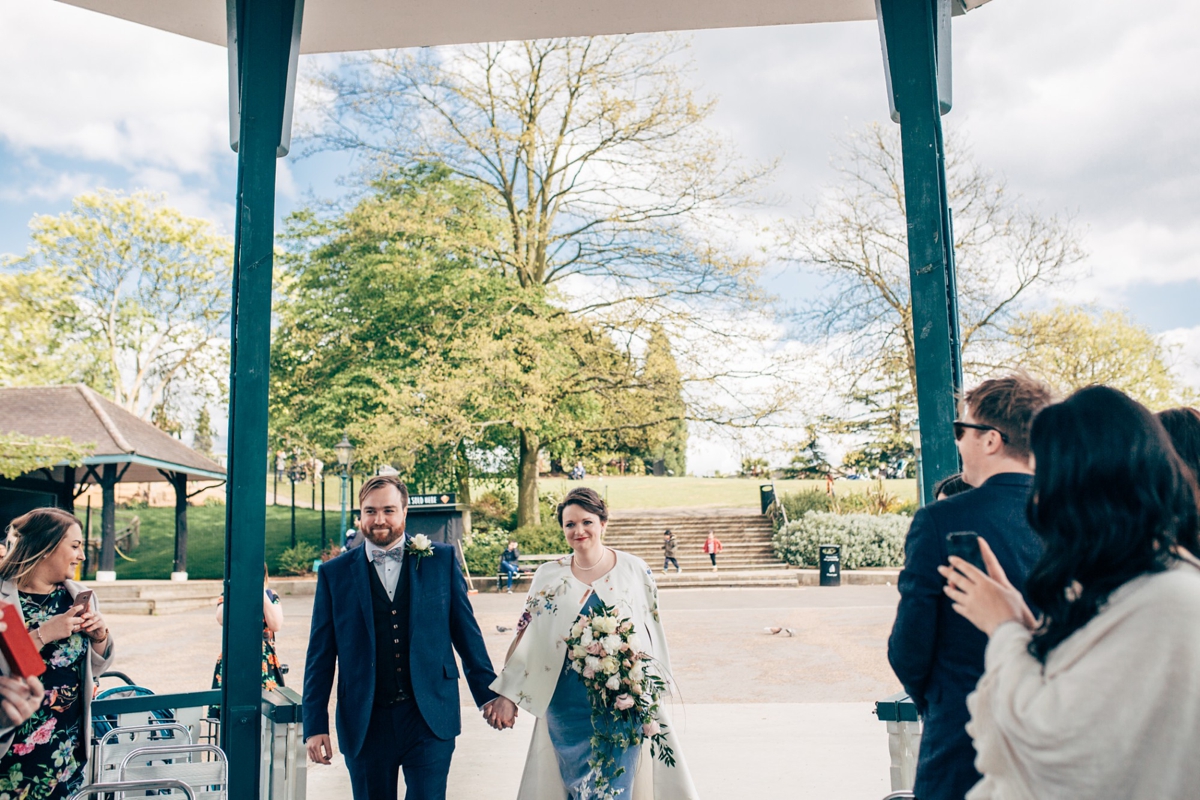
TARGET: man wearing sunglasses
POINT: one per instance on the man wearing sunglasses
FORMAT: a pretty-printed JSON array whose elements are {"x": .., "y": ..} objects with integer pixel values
[{"x": 936, "y": 653}]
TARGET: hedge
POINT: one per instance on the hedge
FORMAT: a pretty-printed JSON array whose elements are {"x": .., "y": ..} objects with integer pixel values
[{"x": 867, "y": 540}]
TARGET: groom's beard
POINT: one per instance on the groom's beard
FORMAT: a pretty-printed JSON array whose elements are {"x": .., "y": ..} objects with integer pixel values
[{"x": 382, "y": 535}]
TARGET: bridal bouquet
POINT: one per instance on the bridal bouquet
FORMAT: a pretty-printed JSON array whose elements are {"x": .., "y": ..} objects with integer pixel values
[{"x": 606, "y": 651}]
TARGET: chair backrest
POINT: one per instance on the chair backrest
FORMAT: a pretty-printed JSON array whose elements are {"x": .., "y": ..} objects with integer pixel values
[
  {"x": 905, "y": 795},
  {"x": 176, "y": 789},
  {"x": 117, "y": 743},
  {"x": 201, "y": 766}
]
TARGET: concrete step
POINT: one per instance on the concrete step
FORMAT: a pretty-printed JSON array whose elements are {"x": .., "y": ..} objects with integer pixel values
[{"x": 154, "y": 597}]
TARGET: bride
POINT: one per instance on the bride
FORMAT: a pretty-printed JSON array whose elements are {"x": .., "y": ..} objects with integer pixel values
[{"x": 639, "y": 763}]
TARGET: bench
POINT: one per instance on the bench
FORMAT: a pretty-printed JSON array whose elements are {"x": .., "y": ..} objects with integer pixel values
[{"x": 526, "y": 572}]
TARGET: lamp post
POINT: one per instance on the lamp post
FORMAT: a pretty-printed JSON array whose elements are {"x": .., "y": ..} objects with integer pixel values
[
  {"x": 345, "y": 457},
  {"x": 915, "y": 432}
]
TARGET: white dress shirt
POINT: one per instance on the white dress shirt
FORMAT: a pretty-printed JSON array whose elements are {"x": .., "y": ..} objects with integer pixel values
[{"x": 387, "y": 570}]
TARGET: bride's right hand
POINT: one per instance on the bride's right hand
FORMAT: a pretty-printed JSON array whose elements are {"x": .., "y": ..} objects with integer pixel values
[{"x": 501, "y": 713}]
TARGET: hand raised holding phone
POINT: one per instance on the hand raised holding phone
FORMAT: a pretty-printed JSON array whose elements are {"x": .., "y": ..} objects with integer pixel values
[{"x": 60, "y": 626}]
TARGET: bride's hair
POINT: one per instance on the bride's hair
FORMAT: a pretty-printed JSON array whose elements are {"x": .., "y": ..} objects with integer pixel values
[{"x": 587, "y": 499}]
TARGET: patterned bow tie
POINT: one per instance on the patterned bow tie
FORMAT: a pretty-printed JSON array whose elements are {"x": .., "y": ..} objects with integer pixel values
[{"x": 395, "y": 554}]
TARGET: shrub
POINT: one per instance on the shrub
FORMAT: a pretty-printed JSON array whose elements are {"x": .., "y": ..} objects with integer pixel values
[
  {"x": 483, "y": 553},
  {"x": 867, "y": 540},
  {"x": 298, "y": 560},
  {"x": 494, "y": 509},
  {"x": 797, "y": 504}
]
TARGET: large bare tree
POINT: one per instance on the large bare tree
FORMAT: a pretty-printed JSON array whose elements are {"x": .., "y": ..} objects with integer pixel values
[
  {"x": 1005, "y": 249},
  {"x": 614, "y": 194}
]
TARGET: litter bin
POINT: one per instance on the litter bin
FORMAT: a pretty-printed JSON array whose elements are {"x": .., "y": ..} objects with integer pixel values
[
  {"x": 904, "y": 738},
  {"x": 766, "y": 496},
  {"x": 831, "y": 565},
  {"x": 284, "y": 757}
]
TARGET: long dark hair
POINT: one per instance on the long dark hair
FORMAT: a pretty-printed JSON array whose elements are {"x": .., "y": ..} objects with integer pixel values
[
  {"x": 1183, "y": 426},
  {"x": 1111, "y": 499},
  {"x": 37, "y": 534}
]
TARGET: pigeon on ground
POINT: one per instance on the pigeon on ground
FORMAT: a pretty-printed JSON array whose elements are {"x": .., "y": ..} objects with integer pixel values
[
  {"x": 773, "y": 631},
  {"x": 503, "y": 629}
]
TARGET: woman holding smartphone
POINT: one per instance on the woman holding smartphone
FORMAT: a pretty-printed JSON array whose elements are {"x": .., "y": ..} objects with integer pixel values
[
  {"x": 46, "y": 754},
  {"x": 1100, "y": 695}
]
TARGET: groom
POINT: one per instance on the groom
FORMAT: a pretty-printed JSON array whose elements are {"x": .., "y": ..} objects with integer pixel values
[{"x": 387, "y": 614}]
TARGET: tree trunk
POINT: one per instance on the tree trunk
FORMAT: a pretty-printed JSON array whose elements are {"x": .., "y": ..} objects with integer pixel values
[
  {"x": 528, "y": 512},
  {"x": 462, "y": 471}
]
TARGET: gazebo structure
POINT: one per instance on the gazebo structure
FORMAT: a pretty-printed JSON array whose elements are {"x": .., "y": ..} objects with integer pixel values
[
  {"x": 123, "y": 447},
  {"x": 264, "y": 40}
]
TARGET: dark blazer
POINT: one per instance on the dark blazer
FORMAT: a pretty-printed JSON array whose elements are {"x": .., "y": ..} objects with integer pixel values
[
  {"x": 440, "y": 617},
  {"x": 935, "y": 652}
]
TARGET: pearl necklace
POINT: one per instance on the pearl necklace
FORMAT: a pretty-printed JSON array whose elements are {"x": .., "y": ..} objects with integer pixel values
[{"x": 599, "y": 561}]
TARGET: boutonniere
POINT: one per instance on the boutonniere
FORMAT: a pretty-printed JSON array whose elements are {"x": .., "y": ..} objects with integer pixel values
[{"x": 419, "y": 546}]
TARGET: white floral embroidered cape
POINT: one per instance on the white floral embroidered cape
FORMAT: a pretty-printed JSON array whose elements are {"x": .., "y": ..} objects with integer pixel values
[{"x": 531, "y": 674}]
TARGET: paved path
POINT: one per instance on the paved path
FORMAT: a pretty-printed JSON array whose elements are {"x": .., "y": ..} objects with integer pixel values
[{"x": 761, "y": 716}]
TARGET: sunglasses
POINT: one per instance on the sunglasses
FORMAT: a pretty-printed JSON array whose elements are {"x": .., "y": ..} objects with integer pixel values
[{"x": 960, "y": 428}]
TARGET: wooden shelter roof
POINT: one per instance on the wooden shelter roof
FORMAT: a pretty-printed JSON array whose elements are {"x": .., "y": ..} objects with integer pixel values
[{"x": 120, "y": 437}]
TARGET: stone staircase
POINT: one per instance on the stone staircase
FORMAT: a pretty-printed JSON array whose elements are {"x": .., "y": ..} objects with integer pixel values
[
  {"x": 747, "y": 560},
  {"x": 154, "y": 598}
]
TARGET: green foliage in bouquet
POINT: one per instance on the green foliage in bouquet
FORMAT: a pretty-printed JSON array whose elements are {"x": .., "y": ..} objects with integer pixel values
[{"x": 604, "y": 649}]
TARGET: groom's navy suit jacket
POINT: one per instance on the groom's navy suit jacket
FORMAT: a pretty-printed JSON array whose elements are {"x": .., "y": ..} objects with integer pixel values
[
  {"x": 935, "y": 652},
  {"x": 343, "y": 632}
]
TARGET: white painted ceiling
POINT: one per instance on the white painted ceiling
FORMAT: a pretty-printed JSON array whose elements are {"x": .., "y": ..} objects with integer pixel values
[{"x": 344, "y": 25}]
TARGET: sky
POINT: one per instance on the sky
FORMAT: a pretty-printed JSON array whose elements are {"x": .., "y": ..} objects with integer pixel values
[{"x": 1089, "y": 109}]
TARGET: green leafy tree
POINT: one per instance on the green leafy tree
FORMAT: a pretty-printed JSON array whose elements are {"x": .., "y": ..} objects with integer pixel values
[
  {"x": 597, "y": 162},
  {"x": 1075, "y": 346},
  {"x": 41, "y": 321},
  {"x": 205, "y": 434},
  {"x": 21, "y": 454},
  {"x": 808, "y": 459},
  {"x": 149, "y": 293}
]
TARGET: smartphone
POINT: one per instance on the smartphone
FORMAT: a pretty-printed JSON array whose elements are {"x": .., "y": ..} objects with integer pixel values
[
  {"x": 83, "y": 601},
  {"x": 965, "y": 545}
]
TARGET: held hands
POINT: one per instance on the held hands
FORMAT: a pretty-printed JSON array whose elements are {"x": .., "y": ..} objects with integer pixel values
[
  {"x": 320, "y": 748},
  {"x": 986, "y": 600},
  {"x": 500, "y": 713}
]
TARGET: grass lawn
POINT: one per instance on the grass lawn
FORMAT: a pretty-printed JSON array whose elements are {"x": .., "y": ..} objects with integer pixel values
[
  {"x": 650, "y": 492},
  {"x": 206, "y": 538}
]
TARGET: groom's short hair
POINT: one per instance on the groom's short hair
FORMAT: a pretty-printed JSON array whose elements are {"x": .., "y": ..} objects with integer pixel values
[{"x": 378, "y": 482}]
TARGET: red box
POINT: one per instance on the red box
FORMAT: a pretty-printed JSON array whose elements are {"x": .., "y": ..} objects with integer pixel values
[{"x": 17, "y": 645}]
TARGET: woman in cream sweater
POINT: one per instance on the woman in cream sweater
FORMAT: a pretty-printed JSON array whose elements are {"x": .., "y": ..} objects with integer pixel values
[{"x": 1100, "y": 696}]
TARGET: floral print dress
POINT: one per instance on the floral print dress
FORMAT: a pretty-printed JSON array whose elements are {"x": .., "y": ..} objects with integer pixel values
[
  {"x": 46, "y": 759},
  {"x": 272, "y": 675}
]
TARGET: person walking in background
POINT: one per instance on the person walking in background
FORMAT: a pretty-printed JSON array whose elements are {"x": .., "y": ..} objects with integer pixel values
[
  {"x": 50, "y": 749},
  {"x": 510, "y": 562},
  {"x": 713, "y": 546},
  {"x": 669, "y": 547},
  {"x": 272, "y": 672},
  {"x": 1118, "y": 588},
  {"x": 936, "y": 654},
  {"x": 388, "y": 617}
]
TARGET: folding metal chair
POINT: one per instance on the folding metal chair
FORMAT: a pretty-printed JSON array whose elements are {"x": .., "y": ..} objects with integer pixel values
[
  {"x": 114, "y": 745},
  {"x": 120, "y": 788},
  {"x": 203, "y": 767}
]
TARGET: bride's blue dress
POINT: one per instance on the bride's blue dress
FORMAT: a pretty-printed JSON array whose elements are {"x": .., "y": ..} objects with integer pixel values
[{"x": 569, "y": 722}]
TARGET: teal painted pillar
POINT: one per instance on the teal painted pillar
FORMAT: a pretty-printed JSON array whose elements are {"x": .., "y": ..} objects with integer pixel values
[
  {"x": 261, "y": 37},
  {"x": 913, "y": 32}
]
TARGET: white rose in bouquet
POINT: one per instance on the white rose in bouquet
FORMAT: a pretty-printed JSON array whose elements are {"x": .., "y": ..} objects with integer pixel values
[
  {"x": 613, "y": 683},
  {"x": 577, "y": 628},
  {"x": 604, "y": 625},
  {"x": 611, "y": 644},
  {"x": 637, "y": 672},
  {"x": 635, "y": 641},
  {"x": 592, "y": 662},
  {"x": 578, "y": 652},
  {"x": 585, "y": 638},
  {"x": 635, "y": 688},
  {"x": 609, "y": 665}
]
